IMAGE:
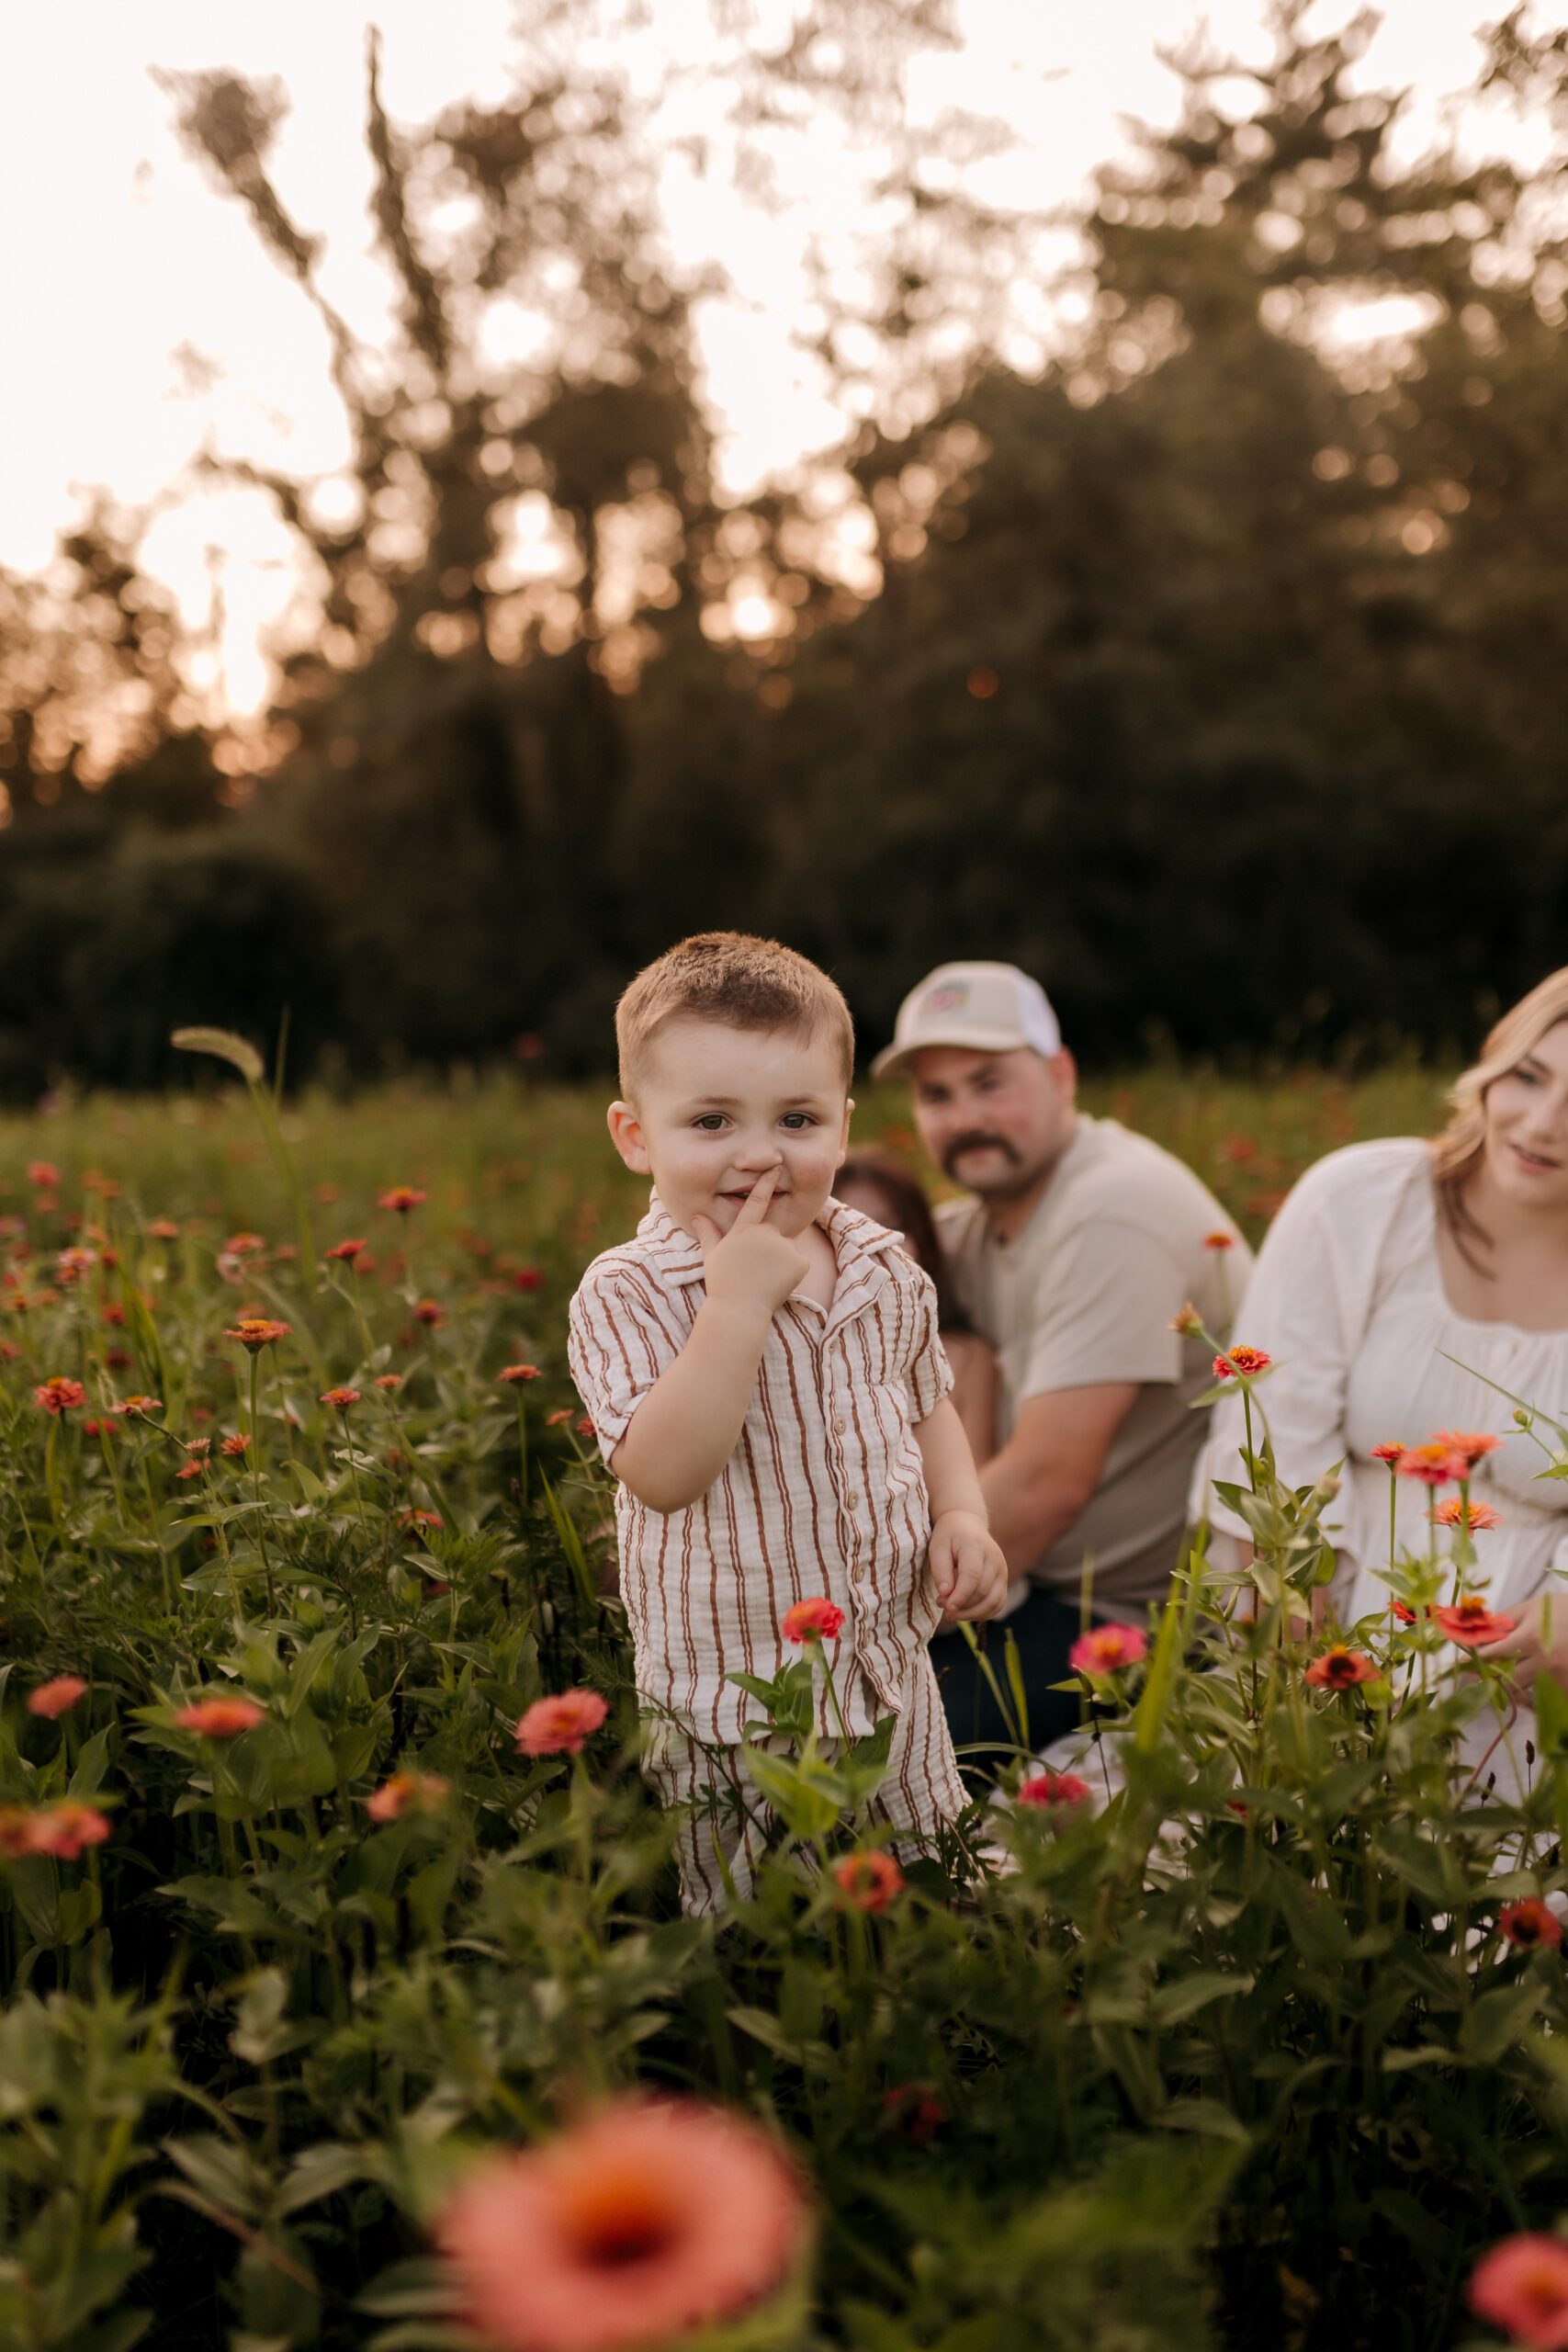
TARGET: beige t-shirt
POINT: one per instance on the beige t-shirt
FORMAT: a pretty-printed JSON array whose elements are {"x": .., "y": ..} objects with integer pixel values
[{"x": 1086, "y": 1294}]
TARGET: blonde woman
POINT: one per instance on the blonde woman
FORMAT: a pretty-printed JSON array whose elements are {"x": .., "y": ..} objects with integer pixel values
[{"x": 1387, "y": 1263}]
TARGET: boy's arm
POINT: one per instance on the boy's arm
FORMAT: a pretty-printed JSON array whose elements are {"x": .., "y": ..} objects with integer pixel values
[
  {"x": 967, "y": 1564},
  {"x": 688, "y": 1425}
]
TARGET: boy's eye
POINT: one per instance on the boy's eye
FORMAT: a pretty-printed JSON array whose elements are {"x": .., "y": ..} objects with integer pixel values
[
  {"x": 710, "y": 1122},
  {"x": 795, "y": 1120}
]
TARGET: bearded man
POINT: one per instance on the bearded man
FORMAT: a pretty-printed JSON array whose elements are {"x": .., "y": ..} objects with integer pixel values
[{"x": 1073, "y": 1251}]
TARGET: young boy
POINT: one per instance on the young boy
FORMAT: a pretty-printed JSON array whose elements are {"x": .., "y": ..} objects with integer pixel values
[{"x": 763, "y": 1369}]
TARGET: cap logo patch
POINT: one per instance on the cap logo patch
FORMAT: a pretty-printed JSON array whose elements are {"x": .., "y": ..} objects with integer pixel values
[{"x": 947, "y": 998}]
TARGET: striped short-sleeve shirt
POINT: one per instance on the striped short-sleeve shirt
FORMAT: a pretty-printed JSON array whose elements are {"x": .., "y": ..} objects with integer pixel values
[{"x": 824, "y": 1494}]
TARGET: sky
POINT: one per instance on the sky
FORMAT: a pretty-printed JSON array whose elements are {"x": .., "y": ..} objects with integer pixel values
[{"x": 145, "y": 322}]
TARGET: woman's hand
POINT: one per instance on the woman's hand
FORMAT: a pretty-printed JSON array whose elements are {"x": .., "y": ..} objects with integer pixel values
[{"x": 1540, "y": 1639}]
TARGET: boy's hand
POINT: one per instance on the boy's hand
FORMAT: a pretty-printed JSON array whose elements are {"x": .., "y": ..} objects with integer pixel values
[
  {"x": 753, "y": 1265},
  {"x": 967, "y": 1567}
]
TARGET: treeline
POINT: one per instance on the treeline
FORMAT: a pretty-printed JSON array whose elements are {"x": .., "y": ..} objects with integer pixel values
[{"x": 1216, "y": 674}]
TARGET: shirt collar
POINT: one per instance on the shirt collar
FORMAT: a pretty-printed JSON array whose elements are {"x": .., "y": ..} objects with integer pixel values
[{"x": 679, "y": 1257}]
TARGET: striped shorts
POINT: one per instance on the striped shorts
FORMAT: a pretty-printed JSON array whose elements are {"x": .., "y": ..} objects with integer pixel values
[{"x": 725, "y": 1820}]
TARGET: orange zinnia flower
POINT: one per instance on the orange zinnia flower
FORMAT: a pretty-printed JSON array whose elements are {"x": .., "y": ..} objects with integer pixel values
[
  {"x": 1241, "y": 1362},
  {"x": 1219, "y": 1240},
  {"x": 219, "y": 1718},
  {"x": 58, "y": 1395},
  {"x": 869, "y": 1880},
  {"x": 255, "y": 1331},
  {"x": 1340, "y": 1668},
  {"x": 1470, "y": 1620},
  {"x": 237, "y": 1446},
  {"x": 407, "y": 1792},
  {"x": 817, "y": 1619},
  {"x": 1522, "y": 2287},
  {"x": 340, "y": 1400},
  {"x": 1434, "y": 1461},
  {"x": 64, "y": 1828},
  {"x": 559, "y": 1726},
  {"x": 517, "y": 1373},
  {"x": 1529, "y": 1925},
  {"x": 647, "y": 2220},
  {"x": 561, "y": 1414},
  {"x": 134, "y": 1408},
  {"x": 56, "y": 1697},
  {"x": 1105, "y": 1649},
  {"x": 1470, "y": 1444},
  {"x": 1469, "y": 1516},
  {"x": 402, "y": 1197}
]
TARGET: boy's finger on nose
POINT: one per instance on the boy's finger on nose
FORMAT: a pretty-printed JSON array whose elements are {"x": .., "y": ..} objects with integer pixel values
[{"x": 759, "y": 1196}]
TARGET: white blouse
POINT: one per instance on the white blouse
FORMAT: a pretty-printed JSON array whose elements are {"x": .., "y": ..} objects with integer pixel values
[{"x": 1347, "y": 1298}]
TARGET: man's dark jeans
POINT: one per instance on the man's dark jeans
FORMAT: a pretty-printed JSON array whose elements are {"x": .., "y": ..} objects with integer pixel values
[{"x": 1044, "y": 1628}]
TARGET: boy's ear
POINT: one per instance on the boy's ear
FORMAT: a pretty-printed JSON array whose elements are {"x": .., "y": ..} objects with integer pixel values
[
  {"x": 844, "y": 1132},
  {"x": 626, "y": 1134}
]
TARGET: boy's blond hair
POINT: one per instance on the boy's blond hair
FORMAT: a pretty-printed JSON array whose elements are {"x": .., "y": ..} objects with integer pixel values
[{"x": 729, "y": 977}]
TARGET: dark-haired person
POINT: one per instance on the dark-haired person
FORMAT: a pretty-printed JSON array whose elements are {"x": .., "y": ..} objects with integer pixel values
[
  {"x": 1077, "y": 1246},
  {"x": 879, "y": 1186},
  {"x": 1400, "y": 1279}
]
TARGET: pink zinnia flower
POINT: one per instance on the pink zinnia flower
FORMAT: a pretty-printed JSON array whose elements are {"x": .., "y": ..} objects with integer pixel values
[
  {"x": 1106, "y": 1649},
  {"x": 219, "y": 1718},
  {"x": 340, "y": 1400},
  {"x": 1530, "y": 1925},
  {"x": 1052, "y": 1789},
  {"x": 560, "y": 1726},
  {"x": 1522, "y": 2287},
  {"x": 56, "y": 1698},
  {"x": 64, "y": 1828},
  {"x": 1242, "y": 1362},
  {"x": 515, "y": 1374},
  {"x": 869, "y": 1880},
  {"x": 1389, "y": 1451},
  {"x": 1469, "y": 1516},
  {"x": 1434, "y": 1461},
  {"x": 817, "y": 1619},
  {"x": 1470, "y": 1444},
  {"x": 402, "y": 1197},
  {"x": 254, "y": 1331},
  {"x": 1470, "y": 1620},
  {"x": 58, "y": 1395},
  {"x": 645, "y": 2221}
]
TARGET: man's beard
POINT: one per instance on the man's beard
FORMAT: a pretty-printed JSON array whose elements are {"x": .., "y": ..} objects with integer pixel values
[{"x": 1018, "y": 1179}]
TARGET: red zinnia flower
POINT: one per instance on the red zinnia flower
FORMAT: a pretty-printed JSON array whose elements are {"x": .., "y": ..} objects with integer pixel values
[
  {"x": 255, "y": 1331},
  {"x": 1219, "y": 1240},
  {"x": 647, "y": 2219},
  {"x": 1105, "y": 1649},
  {"x": 340, "y": 1400},
  {"x": 1052, "y": 1789},
  {"x": 1469, "y": 1516},
  {"x": 412, "y": 1520},
  {"x": 1529, "y": 1925},
  {"x": 43, "y": 1172},
  {"x": 1470, "y": 1620},
  {"x": 219, "y": 1718},
  {"x": 1433, "y": 1462},
  {"x": 1390, "y": 1452},
  {"x": 561, "y": 1414},
  {"x": 64, "y": 1828},
  {"x": 869, "y": 1880},
  {"x": 402, "y": 1197},
  {"x": 527, "y": 1278},
  {"x": 917, "y": 2110},
  {"x": 559, "y": 1726},
  {"x": 1522, "y": 2286},
  {"x": 1241, "y": 1361},
  {"x": 517, "y": 1373},
  {"x": 585, "y": 1427},
  {"x": 56, "y": 1697},
  {"x": 407, "y": 1792},
  {"x": 431, "y": 1313},
  {"x": 817, "y": 1619},
  {"x": 1340, "y": 1668},
  {"x": 58, "y": 1395},
  {"x": 1402, "y": 1611},
  {"x": 346, "y": 1250}
]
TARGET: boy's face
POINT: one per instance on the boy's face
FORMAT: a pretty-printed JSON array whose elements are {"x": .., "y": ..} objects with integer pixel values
[{"x": 717, "y": 1107}]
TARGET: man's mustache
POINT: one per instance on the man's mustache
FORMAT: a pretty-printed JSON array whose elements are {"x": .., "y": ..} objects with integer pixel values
[{"x": 956, "y": 1149}]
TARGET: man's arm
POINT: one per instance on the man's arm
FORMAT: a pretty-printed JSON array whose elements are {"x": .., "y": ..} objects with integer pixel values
[{"x": 1038, "y": 1484}]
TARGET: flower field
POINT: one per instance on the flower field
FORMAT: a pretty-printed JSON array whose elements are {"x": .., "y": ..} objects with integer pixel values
[{"x": 346, "y": 1999}]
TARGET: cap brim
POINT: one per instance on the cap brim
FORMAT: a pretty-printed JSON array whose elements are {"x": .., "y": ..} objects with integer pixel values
[{"x": 977, "y": 1040}]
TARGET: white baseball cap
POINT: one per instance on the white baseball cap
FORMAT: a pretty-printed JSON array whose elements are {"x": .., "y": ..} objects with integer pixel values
[{"x": 992, "y": 1008}]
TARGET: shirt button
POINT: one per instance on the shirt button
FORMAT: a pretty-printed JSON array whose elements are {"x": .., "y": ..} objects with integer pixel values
[
  {"x": 853, "y": 1501},
  {"x": 839, "y": 1425}
]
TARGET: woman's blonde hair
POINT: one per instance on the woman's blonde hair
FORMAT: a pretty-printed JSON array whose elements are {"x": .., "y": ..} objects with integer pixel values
[{"x": 1456, "y": 1153}]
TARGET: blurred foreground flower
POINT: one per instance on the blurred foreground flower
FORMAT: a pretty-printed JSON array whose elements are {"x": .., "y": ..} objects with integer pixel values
[
  {"x": 65, "y": 1829},
  {"x": 1046, "y": 1792},
  {"x": 1105, "y": 1649},
  {"x": 1529, "y": 1925},
  {"x": 870, "y": 1880},
  {"x": 1470, "y": 1620},
  {"x": 1522, "y": 2287},
  {"x": 219, "y": 1718},
  {"x": 1433, "y": 1462},
  {"x": 1340, "y": 1668},
  {"x": 817, "y": 1619},
  {"x": 408, "y": 1792},
  {"x": 649, "y": 2218},
  {"x": 57, "y": 1697},
  {"x": 560, "y": 1726}
]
